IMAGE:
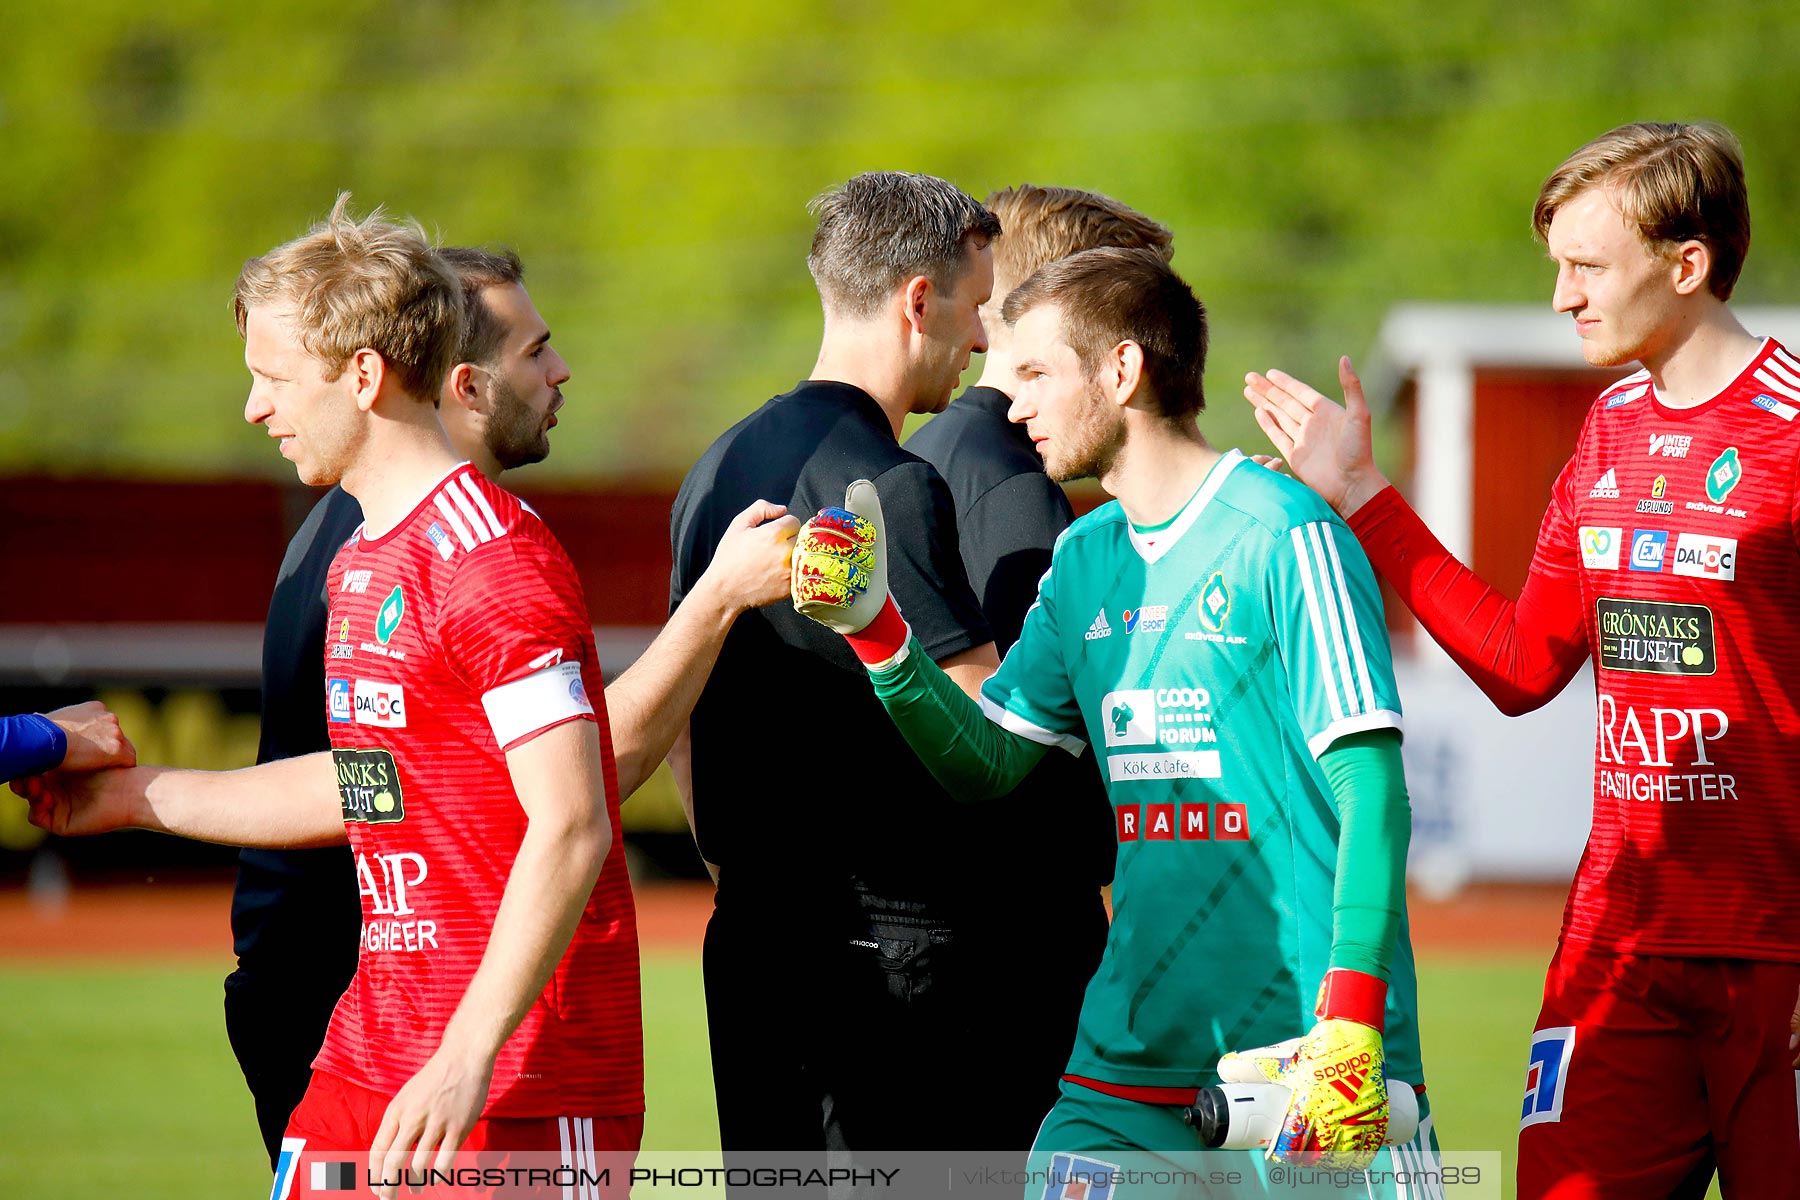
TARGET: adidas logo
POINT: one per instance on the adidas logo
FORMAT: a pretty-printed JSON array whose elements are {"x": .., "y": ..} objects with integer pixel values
[
  {"x": 1099, "y": 628},
  {"x": 1605, "y": 488}
]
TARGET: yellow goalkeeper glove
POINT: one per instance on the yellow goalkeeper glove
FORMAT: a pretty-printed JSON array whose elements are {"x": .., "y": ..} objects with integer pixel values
[
  {"x": 1337, "y": 1113},
  {"x": 840, "y": 576}
]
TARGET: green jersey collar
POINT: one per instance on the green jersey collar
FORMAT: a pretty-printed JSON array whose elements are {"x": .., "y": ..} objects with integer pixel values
[{"x": 1152, "y": 545}]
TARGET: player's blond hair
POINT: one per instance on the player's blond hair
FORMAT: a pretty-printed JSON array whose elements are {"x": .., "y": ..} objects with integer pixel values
[
  {"x": 1675, "y": 182},
  {"x": 362, "y": 285},
  {"x": 1044, "y": 224}
]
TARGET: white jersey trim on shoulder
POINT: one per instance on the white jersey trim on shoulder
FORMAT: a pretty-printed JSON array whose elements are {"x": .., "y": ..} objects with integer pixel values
[
  {"x": 1353, "y": 633},
  {"x": 1012, "y": 722},
  {"x": 1382, "y": 718},
  {"x": 487, "y": 510},
  {"x": 363, "y": 531},
  {"x": 1619, "y": 393},
  {"x": 1630, "y": 381},
  {"x": 1779, "y": 378},
  {"x": 1151, "y": 547},
  {"x": 468, "y": 514},
  {"x": 455, "y": 522},
  {"x": 1337, "y": 638}
]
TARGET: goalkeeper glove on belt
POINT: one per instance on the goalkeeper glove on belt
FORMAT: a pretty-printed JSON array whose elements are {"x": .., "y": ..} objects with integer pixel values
[{"x": 1337, "y": 1114}]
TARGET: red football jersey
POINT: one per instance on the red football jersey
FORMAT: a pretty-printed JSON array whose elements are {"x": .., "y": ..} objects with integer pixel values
[
  {"x": 1670, "y": 556},
  {"x": 459, "y": 635}
]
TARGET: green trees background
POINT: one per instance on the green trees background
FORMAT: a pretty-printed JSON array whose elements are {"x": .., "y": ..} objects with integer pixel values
[{"x": 1318, "y": 162}]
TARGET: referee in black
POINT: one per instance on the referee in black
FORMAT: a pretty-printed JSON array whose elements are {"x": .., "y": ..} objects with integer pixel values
[
  {"x": 296, "y": 916},
  {"x": 846, "y": 995},
  {"x": 1009, "y": 514}
]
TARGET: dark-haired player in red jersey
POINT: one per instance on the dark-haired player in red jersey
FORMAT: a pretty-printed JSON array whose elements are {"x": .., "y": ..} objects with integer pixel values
[
  {"x": 1670, "y": 556},
  {"x": 495, "y": 1006}
]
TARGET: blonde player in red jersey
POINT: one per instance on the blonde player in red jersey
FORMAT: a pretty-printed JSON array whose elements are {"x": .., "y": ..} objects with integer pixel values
[
  {"x": 1669, "y": 557},
  {"x": 496, "y": 1001}
]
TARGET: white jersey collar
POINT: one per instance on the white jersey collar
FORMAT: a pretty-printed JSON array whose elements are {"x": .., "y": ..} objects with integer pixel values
[{"x": 1152, "y": 546}]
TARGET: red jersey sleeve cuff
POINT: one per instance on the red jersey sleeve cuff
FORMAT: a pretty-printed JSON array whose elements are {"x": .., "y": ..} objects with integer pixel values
[{"x": 1379, "y": 506}]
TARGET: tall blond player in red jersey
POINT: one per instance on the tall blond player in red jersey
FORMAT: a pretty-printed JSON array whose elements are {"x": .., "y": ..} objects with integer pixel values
[
  {"x": 1670, "y": 557},
  {"x": 495, "y": 1005}
]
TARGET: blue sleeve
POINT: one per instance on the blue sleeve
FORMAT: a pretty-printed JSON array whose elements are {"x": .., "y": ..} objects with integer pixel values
[{"x": 30, "y": 745}]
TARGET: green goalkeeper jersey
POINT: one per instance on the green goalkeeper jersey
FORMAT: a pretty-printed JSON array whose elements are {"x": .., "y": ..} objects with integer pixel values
[{"x": 1209, "y": 662}]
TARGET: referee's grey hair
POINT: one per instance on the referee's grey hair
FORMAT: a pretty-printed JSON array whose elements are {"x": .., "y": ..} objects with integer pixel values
[{"x": 882, "y": 228}]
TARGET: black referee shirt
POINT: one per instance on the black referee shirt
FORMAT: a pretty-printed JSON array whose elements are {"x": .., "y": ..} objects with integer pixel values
[
  {"x": 297, "y": 912},
  {"x": 1009, "y": 514},
  {"x": 800, "y": 777}
]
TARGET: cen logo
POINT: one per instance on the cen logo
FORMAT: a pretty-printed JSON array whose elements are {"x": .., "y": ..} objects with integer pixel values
[
  {"x": 337, "y": 699},
  {"x": 1647, "y": 549}
]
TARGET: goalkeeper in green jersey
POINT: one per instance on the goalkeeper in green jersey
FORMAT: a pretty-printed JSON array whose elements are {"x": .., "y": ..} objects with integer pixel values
[{"x": 1216, "y": 635}]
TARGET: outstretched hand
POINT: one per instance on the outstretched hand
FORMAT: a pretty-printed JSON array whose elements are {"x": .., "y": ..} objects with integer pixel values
[
  {"x": 752, "y": 563},
  {"x": 1329, "y": 447}
]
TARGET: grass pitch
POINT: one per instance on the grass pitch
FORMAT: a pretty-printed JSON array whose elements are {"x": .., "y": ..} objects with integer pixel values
[{"x": 116, "y": 1079}]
